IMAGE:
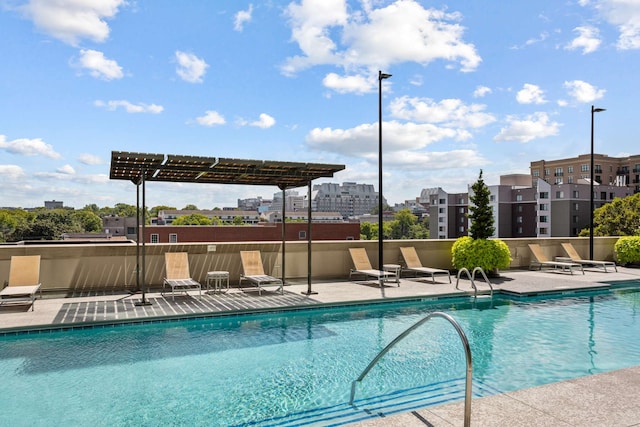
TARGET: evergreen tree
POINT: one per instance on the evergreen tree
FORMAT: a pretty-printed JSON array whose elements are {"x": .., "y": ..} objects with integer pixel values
[{"x": 480, "y": 212}]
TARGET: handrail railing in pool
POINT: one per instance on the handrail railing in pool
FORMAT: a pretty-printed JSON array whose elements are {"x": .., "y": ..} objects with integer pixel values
[
  {"x": 467, "y": 350},
  {"x": 472, "y": 278}
]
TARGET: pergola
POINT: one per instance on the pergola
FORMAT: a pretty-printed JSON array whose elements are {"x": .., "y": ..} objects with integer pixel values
[{"x": 140, "y": 168}]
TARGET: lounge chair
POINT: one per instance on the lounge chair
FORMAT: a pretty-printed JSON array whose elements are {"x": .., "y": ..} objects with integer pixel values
[
  {"x": 363, "y": 267},
  {"x": 540, "y": 260},
  {"x": 575, "y": 257},
  {"x": 253, "y": 271},
  {"x": 24, "y": 281},
  {"x": 177, "y": 275},
  {"x": 412, "y": 261}
]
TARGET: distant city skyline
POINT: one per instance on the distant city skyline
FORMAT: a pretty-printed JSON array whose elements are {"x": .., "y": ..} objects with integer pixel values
[{"x": 492, "y": 86}]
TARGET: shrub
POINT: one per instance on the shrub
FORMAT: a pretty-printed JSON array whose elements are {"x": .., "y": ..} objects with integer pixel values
[
  {"x": 627, "y": 249},
  {"x": 490, "y": 255}
]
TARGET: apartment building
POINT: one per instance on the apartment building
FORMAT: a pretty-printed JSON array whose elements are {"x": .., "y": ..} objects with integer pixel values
[
  {"x": 349, "y": 198},
  {"x": 614, "y": 171}
]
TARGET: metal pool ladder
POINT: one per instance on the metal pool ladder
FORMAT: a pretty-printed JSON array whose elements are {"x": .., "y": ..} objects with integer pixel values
[
  {"x": 467, "y": 351},
  {"x": 472, "y": 277}
]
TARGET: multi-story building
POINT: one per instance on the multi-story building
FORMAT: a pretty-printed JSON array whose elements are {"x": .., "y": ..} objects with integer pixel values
[
  {"x": 614, "y": 171},
  {"x": 350, "y": 199},
  {"x": 447, "y": 213},
  {"x": 166, "y": 217}
]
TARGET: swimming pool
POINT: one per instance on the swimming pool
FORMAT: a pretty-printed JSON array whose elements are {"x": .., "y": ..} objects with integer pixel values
[{"x": 296, "y": 368}]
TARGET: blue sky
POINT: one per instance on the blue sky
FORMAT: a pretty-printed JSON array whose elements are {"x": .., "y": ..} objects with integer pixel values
[{"x": 475, "y": 85}]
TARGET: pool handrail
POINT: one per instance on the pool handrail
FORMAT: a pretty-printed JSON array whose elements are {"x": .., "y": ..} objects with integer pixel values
[
  {"x": 472, "y": 277},
  {"x": 467, "y": 350}
]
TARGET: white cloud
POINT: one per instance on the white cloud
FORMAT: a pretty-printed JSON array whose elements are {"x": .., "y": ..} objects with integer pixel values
[
  {"x": 530, "y": 94},
  {"x": 534, "y": 126},
  {"x": 625, "y": 14},
  {"x": 99, "y": 66},
  {"x": 241, "y": 18},
  {"x": 265, "y": 121},
  {"x": 66, "y": 169},
  {"x": 588, "y": 39},
  {"x": 129, "y": 107},
  {"x": 28, "y": 147},
  {"x": 448, "y": 112},
  {"x": 211, "y": 118},
  {"x": 73, "y": 20},
  {"x": 327, "y": 32},
  {"x": 190, "y": 68},
  {"x": 349, "y": 84},
  {"x": 582, "y": 91},
  {"x": 481, "y": 91},
  {"x": 12, "y": 172},
  {"x": 89, "y": 159}
]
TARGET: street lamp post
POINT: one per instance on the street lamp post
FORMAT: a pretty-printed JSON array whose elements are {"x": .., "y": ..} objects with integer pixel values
[
  {"x": 591, "y": 204},
  {"x": 381, "y": 76}
]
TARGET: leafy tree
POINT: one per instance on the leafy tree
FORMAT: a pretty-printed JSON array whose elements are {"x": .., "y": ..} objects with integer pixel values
[
  {"x": 89, "y": 221},
  {"x": 48, "y": 224},
  {"x": 92, "y": 208},
  {"x": 237, "y": 220},
  {"x": 190, "y": 207},
  {"x": 154, "y": 210},
  {"x": 480, "y": 212},
  {"x": 367, "y": 231},
  {"x": 402, "y": 224},
  {"x": 193, "y": 219},
  {"x": 620, "y": 217}
]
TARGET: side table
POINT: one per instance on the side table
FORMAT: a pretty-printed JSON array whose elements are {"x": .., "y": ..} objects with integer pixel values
[
  {"x": 395, "y": 269},
  {"x": 217, "y": 278}
]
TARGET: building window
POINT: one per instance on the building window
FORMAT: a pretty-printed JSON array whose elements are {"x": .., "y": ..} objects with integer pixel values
[
  {"x": 570, "y": 169},
  {"x": 519, "y": 219},
  {"x": 544, "y": 218},
  {"x": 576, "y": 206},
  {"x": 570, "y": 180},
  {"x": 462, "y": 220},
  {"x": 576, "y": 219},
  {"x": 559, "y": 194},
  {"x": 536, "y": 173},
  {"x": 131, "y": 230},
  {"x": 461, "y": 210},
  {"x": 173, "y": 238},
  {"x": 443, "y": 201},
  {"x": 557, "y": 181},
  {"x": 154, "y": 238},
  {"x": 547, "y": 172},
  {"x": 442, "y": 210},
  {"x": 302, "y": 235},
  {"x": 544, "y": 207},
  {"x": 519, "y": 208},
  {"x": 441, "y": 228},
  {"x": 544, "y": 230},
  {"x": 461, "y": 201},
  {"x": 518, "y": 197},
  {"x": 584, "y": 168},
  {"x": 492, "y": 198},
  {"x": 603, "y": 195},
  {"x": 461, "y": 229},
  {"x": 559, "y": 172},
  {"x": 441, "y": 219},
  {"x": 544, "y": 195},
  {"x": 519, "y": 231},
  {"x": 576, "y": 194},
  {"x": 612, "y": 196}
]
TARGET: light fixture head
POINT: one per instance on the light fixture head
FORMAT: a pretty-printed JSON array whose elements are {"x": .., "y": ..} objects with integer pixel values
[
  {"x": 598, "y": 110},
  {"x": 382, "y": 76}
]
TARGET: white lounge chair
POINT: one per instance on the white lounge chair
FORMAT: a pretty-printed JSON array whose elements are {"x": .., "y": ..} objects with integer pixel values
[
  {"x": 575, "y": 257},
  {"x": 540, "y": 260},
  {"x": 412, "y": 262},
  {"x": 362, "y": 266},
  {"x": 253, "y": 272},
  {"x": 177, "y": 275},
  {"x": 24, "y": 281}
]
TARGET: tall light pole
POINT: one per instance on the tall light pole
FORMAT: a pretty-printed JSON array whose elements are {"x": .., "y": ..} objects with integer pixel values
[
  {"x": 593, "y": 111},
  {"x": 381, "y": 77}
]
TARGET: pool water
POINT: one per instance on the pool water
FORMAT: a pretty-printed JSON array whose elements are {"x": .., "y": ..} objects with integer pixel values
[{"x": 272, "y": 369}]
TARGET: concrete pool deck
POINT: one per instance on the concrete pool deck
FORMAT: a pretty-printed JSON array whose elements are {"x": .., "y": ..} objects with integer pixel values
[{"x": 609, "y": 399}]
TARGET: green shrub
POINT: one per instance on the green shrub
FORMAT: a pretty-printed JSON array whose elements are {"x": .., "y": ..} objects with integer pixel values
[
  {"x": 490, "y": 255},
  {"x": 627, "y": 249}
]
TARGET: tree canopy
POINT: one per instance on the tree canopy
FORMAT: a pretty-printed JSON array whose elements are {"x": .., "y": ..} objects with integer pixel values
[
  {"x": 620, "y": 217},
  {"x": 480, "y": 212}
]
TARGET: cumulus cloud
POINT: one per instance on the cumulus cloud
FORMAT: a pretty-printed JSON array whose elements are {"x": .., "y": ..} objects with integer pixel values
[
  {"x": 582, "y": 91},
  {"x": 625, "y": 15},
  {"x": 129, "y": 107},
  {"x": 66, "y": 169},
  {"x": 190, "y": 68},
  {"x": 72, "y": 20},
  {"x": 588, "y": 39},
  {"x": 349, "y": 84},
  {"x": 265, "y": 121},
  {"x": 12, "y": 172},
  {"x": 99, "y": 66},
  {"x": 211, "y": 118},
  {"x": 327, "y": 32},
  {"x": 89, "y": 159},
  {"x": 537, "y": 125},
  {"x": 28, "y": 147},
  {"x": 530, "y": 94},
  {"x": 481, "y": 91},
  {"x": 241, "y": 18},
  {"x": 447, "y": 112}
]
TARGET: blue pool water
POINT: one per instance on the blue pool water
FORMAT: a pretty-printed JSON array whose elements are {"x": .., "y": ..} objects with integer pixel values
[{"x": 269, "y": 369}]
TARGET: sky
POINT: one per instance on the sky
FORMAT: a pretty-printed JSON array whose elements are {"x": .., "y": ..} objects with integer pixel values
[{"x": 475, "y": 86}]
